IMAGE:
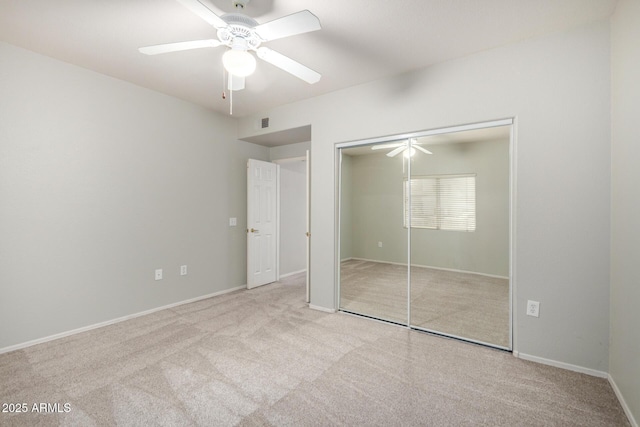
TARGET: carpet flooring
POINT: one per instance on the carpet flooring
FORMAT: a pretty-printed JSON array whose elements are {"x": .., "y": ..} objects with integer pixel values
[
  {"x": 465, "y": 305},
  {"x": 261, "y": 357}
]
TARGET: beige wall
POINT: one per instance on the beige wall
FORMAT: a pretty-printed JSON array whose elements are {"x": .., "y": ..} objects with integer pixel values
[
  {"x": 625, "y": 231},
  {"x": 101, "y": 183}
]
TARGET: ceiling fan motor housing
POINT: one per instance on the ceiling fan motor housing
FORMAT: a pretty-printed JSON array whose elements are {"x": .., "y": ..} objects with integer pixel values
[{"x": 239, "y": 26}]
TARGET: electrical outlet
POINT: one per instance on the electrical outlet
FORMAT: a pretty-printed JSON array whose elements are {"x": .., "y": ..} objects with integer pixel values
[
  {"x": 533, "y": 308},
  {"x": 183, "y": 270},
  {"x": 159, "y": 274},
  {"x": 379, "y": 244}
]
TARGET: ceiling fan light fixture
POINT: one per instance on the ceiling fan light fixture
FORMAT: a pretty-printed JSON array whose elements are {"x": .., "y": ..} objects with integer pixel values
[
  {"x": 239, "y": 62},
  {"x": 409, "y": 152}
]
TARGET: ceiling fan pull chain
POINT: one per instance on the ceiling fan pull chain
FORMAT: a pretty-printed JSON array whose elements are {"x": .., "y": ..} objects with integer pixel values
[{"x": 224, "y": 94}]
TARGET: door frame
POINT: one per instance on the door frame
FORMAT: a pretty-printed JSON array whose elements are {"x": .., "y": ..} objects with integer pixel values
[{"x": 509, "y": 121}]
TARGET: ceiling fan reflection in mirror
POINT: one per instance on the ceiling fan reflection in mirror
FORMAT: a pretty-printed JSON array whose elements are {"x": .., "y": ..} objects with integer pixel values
[
  {"x": 402, "y": 147},
  {"x": 242, "y": 34}
]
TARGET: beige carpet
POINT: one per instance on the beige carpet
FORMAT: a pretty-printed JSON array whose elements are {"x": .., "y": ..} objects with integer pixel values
[
  {"x": 261, "y": 357},
  {"x": 466, "y": 305}
]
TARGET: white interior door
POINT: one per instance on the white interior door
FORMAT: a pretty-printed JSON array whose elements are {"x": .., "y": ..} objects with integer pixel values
[
  {"x": 262, "y": 256},
  {"x": 308, "y": 213}
]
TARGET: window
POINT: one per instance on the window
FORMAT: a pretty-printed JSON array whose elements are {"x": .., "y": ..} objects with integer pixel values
[{"x": 445, "y": 202}]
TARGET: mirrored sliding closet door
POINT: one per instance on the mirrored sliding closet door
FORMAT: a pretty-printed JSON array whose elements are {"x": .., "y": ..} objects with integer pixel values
[
  {"x": 373, "y": 240},
  {"x": 425, "y": 232}
]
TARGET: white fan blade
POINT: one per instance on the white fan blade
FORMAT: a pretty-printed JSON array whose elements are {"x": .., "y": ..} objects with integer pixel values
[
  {"x": 235, "y": 83},
  {"x": 421, "y": 149},
  {"x": 396, "y": 151},
  {"x": 288, "y": 65},
  {"x": 204, "y": 12},
  {"x": 290, "y": 25},
  {"x": 385, "y": 146},
  {"x": 176, "y": 47}
]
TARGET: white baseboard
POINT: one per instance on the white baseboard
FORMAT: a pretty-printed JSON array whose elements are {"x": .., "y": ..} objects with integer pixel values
[
  {"x": 429, "y": 266},
  {"x": 282, "y": 276},
  {"x": 587, "y": 371},
  {"x": 563, "y": 365},
  {"x": 376, "y": 260},
  {"x": 324, "y": 309},
  {"x": 111, "y": 322},
  {"x": 623, "y": 402}
]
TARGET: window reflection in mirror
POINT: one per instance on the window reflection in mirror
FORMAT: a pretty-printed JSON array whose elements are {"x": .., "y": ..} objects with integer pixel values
[{"x": 460, "y": 197}]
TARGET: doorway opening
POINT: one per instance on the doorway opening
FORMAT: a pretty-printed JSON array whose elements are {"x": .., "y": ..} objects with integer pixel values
[
  {"x": 295, "y": 220},
  {"x": 278, "y": 219}
]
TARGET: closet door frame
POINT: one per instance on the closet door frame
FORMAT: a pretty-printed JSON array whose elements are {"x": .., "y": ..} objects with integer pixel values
[{"x": 510, "y": 121}]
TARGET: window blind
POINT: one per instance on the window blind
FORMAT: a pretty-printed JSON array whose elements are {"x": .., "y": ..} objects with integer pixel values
[{"x": 446, "y": 202}]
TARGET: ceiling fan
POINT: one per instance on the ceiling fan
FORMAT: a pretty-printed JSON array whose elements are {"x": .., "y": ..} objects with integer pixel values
[
  {"x": 243, "y": 34},
  {"x": 402, "y": 147}
]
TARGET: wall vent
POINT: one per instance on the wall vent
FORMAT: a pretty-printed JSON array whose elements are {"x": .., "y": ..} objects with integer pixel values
[{"x": 265, "y": 122}]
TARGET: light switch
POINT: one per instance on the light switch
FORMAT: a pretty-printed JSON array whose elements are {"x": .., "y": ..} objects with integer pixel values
[{"x": 233, "y": 222}]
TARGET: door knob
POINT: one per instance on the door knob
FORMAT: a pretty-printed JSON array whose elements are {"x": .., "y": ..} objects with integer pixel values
[{"x": 253, "y": 230}]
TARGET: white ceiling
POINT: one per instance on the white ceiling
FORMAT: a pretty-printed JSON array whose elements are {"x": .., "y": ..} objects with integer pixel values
[{"x": 361, "y": 40}]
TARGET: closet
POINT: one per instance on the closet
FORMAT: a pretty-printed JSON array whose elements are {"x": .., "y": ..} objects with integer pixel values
[{"x": 425, "y": 231}]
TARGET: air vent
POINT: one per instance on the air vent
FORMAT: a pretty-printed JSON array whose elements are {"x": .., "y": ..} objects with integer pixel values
[{"x": 265, "y": 122}]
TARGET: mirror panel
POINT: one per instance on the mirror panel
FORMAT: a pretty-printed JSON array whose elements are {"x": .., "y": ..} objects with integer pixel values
[
  {"x": 373, "y": 240},
  {"x": 460, "y": 235}
]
